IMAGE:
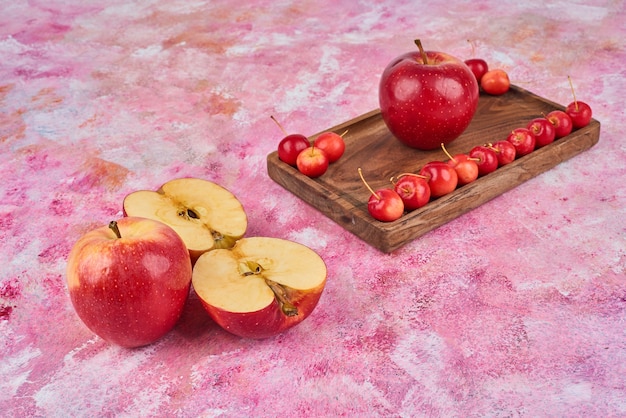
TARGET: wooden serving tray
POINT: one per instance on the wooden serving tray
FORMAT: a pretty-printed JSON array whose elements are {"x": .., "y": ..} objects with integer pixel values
[{"x": 340, "y": 194}]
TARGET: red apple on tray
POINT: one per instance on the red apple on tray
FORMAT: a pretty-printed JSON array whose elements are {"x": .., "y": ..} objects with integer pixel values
[
  {"x": 464, "y": 165},
  {"x": 442, "y": 179},
  {"x": 332, "y": 144},
  {"x": 562, "y": 123},
  {"x": 204, "y": 214},
  {"x": 290, "y": 146},
  {"x": 543, "y": 130},
  {"x": 505, "y": 152},
  {"x": 478, "y": 67},
  {"x": 312, "y": 162},
  {"x": 129, "y": 282},
  {"x": 427, "y": 98},
  {"x": 261, "y": 287},
  {"x": 486, "y": 159},
  {"x": 385, "y": 204},
  {"x": 413, "y": 189},
  {"x": 579, "y": 112},
  {"x": 495, "y": 82},
  {"x": 523, "y": 140}
]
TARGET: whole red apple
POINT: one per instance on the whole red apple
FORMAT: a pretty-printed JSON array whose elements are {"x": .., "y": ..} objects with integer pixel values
[
  {"x": 290, "y": 146},
  {"x": 129, "y": 282},
  {"x": 543, "y": 130},
  {"x": 562, "y": 123},
  {"x": 505, "y": 152},
  {"x": 414, "y": 191},
  {"x": 478, "y": 66},
  {"x": 312, "y": 162},
  {"x": 442, "y": 179},
  {"x": 486, "y": 159},
  {"x": 523, "y": 140},
  {"x": 427, "y": 98},
  {"x": 385, "y": 204},
  {"x": 580, "y": 113},
  {"x": 332, "y": 144},
  {"x": 495, "y": 82}
]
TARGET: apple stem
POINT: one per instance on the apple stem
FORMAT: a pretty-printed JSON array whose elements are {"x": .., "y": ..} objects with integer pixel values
[
  {"x": 281, "y": 295},
  {"x": 443, "y": 147},
  {"x": 115, "y": 229},
  {"x": 573, "y": 93},
  {"x": 344, "y": 132},
  {"x": 279, "y": 125},
  {"x": 472, "y": 45},
  {"x": 367, "y": 185},
  {"x": 422, "y": 52}
]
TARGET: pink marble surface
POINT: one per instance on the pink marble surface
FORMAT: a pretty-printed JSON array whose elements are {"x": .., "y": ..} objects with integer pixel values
[{"x": 517, "y": 308}]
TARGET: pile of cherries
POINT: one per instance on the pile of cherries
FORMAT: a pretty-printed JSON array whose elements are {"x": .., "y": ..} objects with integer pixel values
[{"x": 437, "y": 178}]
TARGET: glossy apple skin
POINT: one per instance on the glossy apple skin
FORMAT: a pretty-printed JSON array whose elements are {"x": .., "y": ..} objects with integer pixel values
[
  {"x": 495, "y": 82},
  {"x": 427, "y": 105},
  {"x": 290, "y": 146},
  {"x": 332, "y": 144},
  {"x": 562, "y": 123},
  {"x": 465, "y": 167},
  {"x": 543, "y": 130},
  {"x": 269, "y": 321},
  {"x": 580, "y": 114},
  {"x": 505, "y": 152},
  {"x": 129, "y": 291},
  {"x": 442, "y": 179},
  {"x": 413, "y": 190},
  {"x": 523, "y": 140},
  {"x": 487, "y": 159},
  {"x": 478, "y": 67},
  {"x": 312, "y": 162},
  {"x": 386, "y": 205}
]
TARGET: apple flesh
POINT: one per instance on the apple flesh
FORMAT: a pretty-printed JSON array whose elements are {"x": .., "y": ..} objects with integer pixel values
[
  {"x": 427, "y": 98},
  {"x": 204, "y": 214},
  {"x": 261, "y": 287},
  {"x": 129, "y": 282}
]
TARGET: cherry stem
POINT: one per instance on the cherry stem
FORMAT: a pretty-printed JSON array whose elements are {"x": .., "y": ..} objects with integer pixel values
[
  {"x": 399, "y": 176},
  {"x": 344, "y": 132},
  {"x": 472, "y": 45},
  {"x": 115, "y": 229},
  {"x": 288, "y": 308},
  {"x": 573, "y": 93},
  {"x": 422, "y": 52},
  {"x": 443, "y": 147},
  {"x": 279, "y": 125},
  {"x": 367, "y": 185}
]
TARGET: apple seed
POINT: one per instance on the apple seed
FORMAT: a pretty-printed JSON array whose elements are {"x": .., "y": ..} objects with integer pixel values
[{"x": 249, "y": 268}]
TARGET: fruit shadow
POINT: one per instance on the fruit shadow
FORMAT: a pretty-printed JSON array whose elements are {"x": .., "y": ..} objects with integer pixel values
[{"x": 195, "y": 323}]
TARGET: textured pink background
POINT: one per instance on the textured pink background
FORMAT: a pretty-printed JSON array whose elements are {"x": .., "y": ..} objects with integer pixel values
[{"x": 517, "y": 308}]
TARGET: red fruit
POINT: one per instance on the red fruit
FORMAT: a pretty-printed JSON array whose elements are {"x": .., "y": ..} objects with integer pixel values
[
  {"x": 543, "y": 130},
  {"x": 579, "y": 112},
  {"x": 487, "y": 159},
  {"x": 290, "y": 146},
  {"x": 384, "y": 205},
  {"x": 523, "y": 140},
  {"x": 562, "y": 123},
  {"x": 332, "y": 144},
  {"x": 495, "y": 82},
  {"x": 478, "y": 67},
  {"x": 413, "y": 190},
  {"x": 505, "y": 152},
  {"x": 427, "y": 98},
  {"x": 312, "y": 162},
  {"x": 442, "y": 179}
]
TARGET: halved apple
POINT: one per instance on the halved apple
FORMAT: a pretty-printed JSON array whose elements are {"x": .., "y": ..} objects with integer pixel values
[
  {"x": 204, "y": 214},
  {"x": 260, "y": 287}
]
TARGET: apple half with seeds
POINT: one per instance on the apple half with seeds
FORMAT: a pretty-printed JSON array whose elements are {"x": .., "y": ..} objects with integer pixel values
[
  {"x": 204, "y": 214},
  {"x": 260, "y": 287}
]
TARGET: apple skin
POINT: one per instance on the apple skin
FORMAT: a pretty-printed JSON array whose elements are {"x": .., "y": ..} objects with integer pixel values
[
  {"x": 580, "y": 114},
  {"x": 266, "y": 322},
  {"x": 130, "y": 291},
  {"x": 290, "y": 146},
  {"x": 543, "y": 130},
  {"x": 478, "y": 66},
  {"x": 312, "y": 162},
  {"x": 425, "y": 105}
]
